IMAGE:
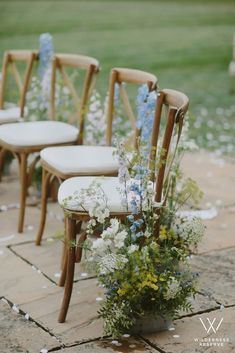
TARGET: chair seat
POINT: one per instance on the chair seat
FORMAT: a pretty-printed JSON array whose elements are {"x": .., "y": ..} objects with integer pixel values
[
  {"x": 38, "y": 133},
  {"x": 10, "y": 115},
  {"x": 98, "y": 160},
  {"x": 110, "y": 186}
]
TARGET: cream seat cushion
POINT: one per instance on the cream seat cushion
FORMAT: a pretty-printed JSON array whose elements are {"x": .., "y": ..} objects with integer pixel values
[
  {"x": 10, "y": 115},
  {"x": 110, "y": 186},
  {"x": 38, "y": 133},
  {"x": 81, "y": 159}
]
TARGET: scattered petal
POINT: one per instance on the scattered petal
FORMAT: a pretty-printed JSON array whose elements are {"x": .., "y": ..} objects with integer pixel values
[
  {"x": 30, "y": 227},
  {"x": 126, "y": 335},
  {"x": 57, "y": 274},
  {"x": 176, "y": 336},
  {"x": 132, "y": 345},
  {"x": 26, "y": 316},
  {"x": 221, "y": 307},
  {"x": 84, "y": 274},
  {"x": 171, "y": 329},
  {"x": 44, "y": 350},
  {"x": 14, "y": 308},
  {"x": 115, "y": 342},
  {"x": 98, "y": 299},
  {"x": 39, "y": 271},
  {"x": 34, "y": 268},
  {"x": 4, "y": 300}
]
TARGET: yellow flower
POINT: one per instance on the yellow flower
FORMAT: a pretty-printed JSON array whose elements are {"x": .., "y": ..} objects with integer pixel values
[
  {"x": 121, "y": 292},
  {"x": 163, "y": 233}
]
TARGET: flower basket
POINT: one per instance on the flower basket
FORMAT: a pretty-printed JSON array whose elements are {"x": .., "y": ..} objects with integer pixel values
[{"x": 150, "y": 324}]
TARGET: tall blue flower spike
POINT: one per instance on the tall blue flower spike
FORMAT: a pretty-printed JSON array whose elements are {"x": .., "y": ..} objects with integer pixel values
[
  {"x": 145, "y": 104},
  {"x": 46, "y": 51}
]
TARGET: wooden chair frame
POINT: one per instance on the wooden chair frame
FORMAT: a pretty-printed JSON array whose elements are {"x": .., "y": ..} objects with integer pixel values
[
  {"x": 117, "y": 76},
  {"x": 177, "y": 105},
  {"x": 91, "y": 66},
  {"x": 9, "y": 61}
]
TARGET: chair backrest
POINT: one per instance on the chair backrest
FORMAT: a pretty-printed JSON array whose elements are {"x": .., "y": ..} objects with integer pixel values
[
  {"x": 10, "y": 60},
  {"x": 121, "y": 76},
  {"x": 78, "y": 62},
  {"x": 176, "y": 104}
]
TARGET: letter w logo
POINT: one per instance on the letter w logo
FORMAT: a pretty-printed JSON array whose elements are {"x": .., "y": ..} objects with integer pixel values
[{"x": 211, "y": 323}]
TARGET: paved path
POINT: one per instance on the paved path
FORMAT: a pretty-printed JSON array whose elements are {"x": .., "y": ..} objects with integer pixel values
[{"x": 30, "y": 297}]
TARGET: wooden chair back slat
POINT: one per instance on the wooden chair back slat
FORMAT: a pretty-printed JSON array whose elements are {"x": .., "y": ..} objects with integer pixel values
[
  {"x": 176, "y": 104},
  {"x": 79, "y": 62},
  {"x": 120, "y": 76},
  {"x": 10, "y": 58}
]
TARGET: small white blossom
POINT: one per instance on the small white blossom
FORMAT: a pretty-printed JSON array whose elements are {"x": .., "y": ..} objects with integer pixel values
[
  {"x": 172, "y": 290},
  {"x": 119, "y": 239},
  {"x": 132, "y": 248}
]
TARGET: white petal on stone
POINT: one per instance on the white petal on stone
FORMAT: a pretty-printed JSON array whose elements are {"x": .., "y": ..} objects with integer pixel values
[
  {"x": 26, "y": 316},
  {"x": 84, "y": 274},
  {"x": 57, "y": 274},
  {"x": 34, "y": 268},
  {"x": 7, "y": 238},
  {"x": 203, "y": 214},
  {"x": 44, "y": 350},
  {"x": 4, "y": 300},
  {"x": 171, "y": 329},
  {"x": 30, "y": 227},
  {"x": 132, "y": 345},
  {"x": 50, "y": 240},
  {"x": 176, "y": 336},
  {"x": 39, "y": 271},
  {"x": 126, "y": 335},
  {"x": 115, "y": 342},
  {"x": 98, "y": 299},
  {"x": 14, "y": 308},
  {"x": 221, "y": 307},
  {"x": 3, "y": 208}
]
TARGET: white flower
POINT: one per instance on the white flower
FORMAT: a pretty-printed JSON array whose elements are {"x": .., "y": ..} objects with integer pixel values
[
  {"x": 191, "y": 229},
  {"x": 120, "y": 238},
  {"x": 173, "y": 289},
  {"x": 132, "y": 248},
  {"x": 98, "y": 245},
  {"x": 112, "y": 262},
  {"x": 111, "y": 231}
]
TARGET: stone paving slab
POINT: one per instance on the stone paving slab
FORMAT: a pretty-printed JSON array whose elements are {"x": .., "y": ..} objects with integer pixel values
[
  {"x": 219, "y": 232},
  {"x": 217, "y": 275},
  {"x": 82, "y": 322},
  {"x": 47, "y": 258},
  {"x": 21, "y": 335},
  {"x": 20, "y": 283},
  {"x": 187, "y": 330},
  {"x": 8, "y": 226},
  {"x": 214, "y": 175},
  {"x": 105, "y": 346}
]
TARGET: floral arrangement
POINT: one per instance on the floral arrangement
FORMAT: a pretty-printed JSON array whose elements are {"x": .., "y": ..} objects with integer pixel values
[{"x": 141, "y": 261}]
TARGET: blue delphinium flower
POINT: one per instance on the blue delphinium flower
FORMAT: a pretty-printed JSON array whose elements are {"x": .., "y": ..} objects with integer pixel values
[
  {"x": 145, "y": 103},
  {"x": 46, "y": 51}
]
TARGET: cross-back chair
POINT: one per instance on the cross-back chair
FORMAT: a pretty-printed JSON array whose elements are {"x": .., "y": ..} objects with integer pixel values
[
  {"x": 68, "y": 161},
  {"x": 176, "y": 104},
  {"x": 25, "y": 138},
  {"x": 14, "y": 113}
]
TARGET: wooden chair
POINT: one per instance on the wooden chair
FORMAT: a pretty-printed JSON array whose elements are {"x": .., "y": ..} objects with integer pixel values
[
  {"x": 10, "y": 60},
  {"x": 176, "y": 104},
  {"x": 68, "y": 161},
  {"x": 29, "y": 137}
]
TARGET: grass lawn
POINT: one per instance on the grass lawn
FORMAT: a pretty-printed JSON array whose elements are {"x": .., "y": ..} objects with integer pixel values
[{"x": 187, "y": 44}]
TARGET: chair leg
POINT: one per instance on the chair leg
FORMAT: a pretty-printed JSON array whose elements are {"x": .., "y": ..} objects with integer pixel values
[
  {"x": 64, "y": 257},
  {"x": 45, "y": 184},
  {"x": 23, "y": 190},
  {"x": 2, "y": 158},
  {"x": 70, "y": 269}
]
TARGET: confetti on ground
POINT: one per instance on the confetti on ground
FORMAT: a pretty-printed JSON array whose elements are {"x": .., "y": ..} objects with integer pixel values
[
  {"x": 126, "y": 335},
  {"x": 26, "y": 316},
  {"x": 171, "y": 329},
  {"x": 99, "y": 299},
  {"x": 57, "y": 274},
  {"x": 14, "y": 308},
  {"x": 84, "y": 274},
  {"x": 176, "y": 336}
]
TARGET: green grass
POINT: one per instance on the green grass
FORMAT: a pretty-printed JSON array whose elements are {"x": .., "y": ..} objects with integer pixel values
[{"x": 187, "y": 44}]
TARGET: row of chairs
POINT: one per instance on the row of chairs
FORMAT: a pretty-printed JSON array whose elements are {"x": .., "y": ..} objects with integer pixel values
[{"x": 64, "y": 158}]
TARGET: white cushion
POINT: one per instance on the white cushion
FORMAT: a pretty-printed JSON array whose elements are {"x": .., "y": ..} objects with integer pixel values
[
  {"x": 110, "y": 186},
  {"x": 38, "y": 133},
  {"x": 10, "y": 115},
  {"x": 231, "y": 68},
  {"x": 81, "y": 159}
]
